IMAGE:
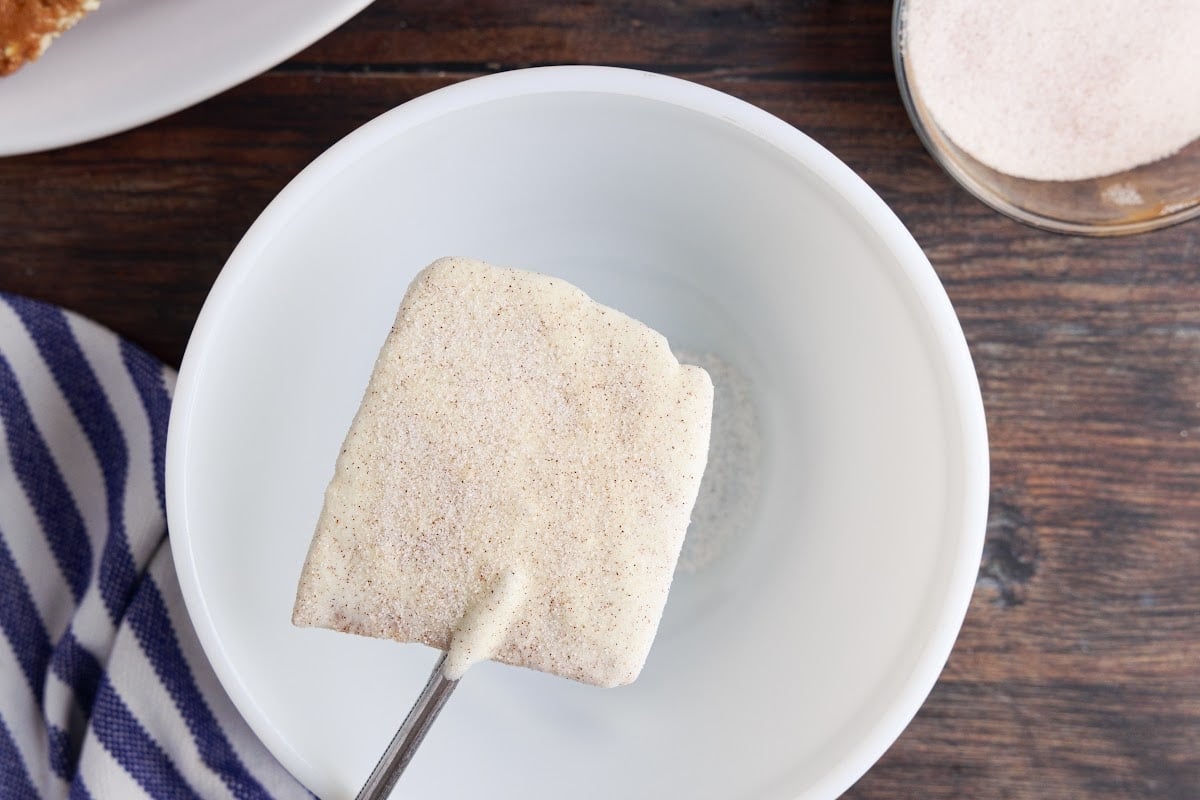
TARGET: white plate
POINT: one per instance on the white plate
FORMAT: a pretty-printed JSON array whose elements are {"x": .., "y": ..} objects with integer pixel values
[
  {"x": 783, "y": 671},
  {"x": 133, "y": 61}
]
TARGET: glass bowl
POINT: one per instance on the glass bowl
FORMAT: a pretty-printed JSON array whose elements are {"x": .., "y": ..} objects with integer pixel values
[{"x": 1142, "y": 199}]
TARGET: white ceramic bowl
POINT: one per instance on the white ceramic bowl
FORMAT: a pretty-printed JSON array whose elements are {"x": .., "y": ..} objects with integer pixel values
[{"x": 785, "y": 669}]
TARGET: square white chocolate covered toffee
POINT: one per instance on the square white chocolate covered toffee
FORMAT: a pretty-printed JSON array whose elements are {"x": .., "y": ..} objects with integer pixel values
[{"x": 517, "y": 482}]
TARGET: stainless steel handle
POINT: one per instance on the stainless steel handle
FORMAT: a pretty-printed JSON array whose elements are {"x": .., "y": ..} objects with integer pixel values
[{"x": 397, "y": 755}]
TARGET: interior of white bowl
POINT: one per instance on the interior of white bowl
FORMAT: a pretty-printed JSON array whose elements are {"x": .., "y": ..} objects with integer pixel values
[{"x": 786, "y": 667}]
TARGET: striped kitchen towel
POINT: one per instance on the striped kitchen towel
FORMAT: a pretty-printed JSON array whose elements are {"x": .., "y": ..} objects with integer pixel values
[{"x": 104, "y": 690}]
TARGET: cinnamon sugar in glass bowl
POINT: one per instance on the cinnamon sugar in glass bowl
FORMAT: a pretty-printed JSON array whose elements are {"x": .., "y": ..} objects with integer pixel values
[{"x": 1142, "y": 198}]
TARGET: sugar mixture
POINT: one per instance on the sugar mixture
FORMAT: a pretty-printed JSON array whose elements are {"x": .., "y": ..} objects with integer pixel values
[
  {"x": 1058, "y": 89},
  {"x": 730, "y": 487}
]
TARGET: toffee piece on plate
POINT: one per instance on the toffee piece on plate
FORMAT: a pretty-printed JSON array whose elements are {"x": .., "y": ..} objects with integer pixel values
[{"x": 27, "y": 27}]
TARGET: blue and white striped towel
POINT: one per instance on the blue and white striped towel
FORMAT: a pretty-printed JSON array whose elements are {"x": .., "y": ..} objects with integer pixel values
[{"x": 104, "y": 690}]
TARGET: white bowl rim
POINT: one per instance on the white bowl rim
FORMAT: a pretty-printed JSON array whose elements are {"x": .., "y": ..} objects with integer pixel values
[{"x": 966, "y": 399}]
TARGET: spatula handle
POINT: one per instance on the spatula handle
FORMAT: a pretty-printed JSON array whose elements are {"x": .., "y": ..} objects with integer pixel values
[{"x": 393, "y": 761}]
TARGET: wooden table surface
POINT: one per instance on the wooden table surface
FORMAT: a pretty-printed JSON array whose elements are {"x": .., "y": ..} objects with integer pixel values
[{"x": 1077, "y": 673}]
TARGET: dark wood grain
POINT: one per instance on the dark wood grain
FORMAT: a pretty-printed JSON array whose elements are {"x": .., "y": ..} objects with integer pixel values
[{"x": 1077, "y": 673}]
